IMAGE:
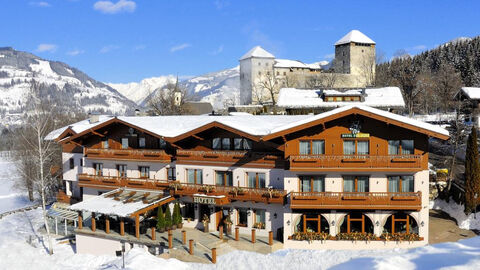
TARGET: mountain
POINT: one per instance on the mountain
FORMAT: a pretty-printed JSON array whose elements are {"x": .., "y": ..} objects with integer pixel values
[
  {"x": 137, "y": 92},
  {"x": 218, "y": 88},
  {"x": 67, "y": 86}
]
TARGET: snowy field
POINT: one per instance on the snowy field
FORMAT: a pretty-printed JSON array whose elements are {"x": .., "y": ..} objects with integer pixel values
[
  {"x": 10, "y": 198},
  {"x": 17, "y": 253}
]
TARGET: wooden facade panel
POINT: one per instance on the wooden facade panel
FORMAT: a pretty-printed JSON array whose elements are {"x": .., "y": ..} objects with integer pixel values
[{"x": 230, "y": 158}]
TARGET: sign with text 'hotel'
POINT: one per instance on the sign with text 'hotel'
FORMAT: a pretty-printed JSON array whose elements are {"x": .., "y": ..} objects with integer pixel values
[
  {"x": 204, "y": 200},
  {"x": 355, "y": 129}
]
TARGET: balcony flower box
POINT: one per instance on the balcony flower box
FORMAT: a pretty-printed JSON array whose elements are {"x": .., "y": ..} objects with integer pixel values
[
  {"x": 237, "y": 191},
  {"x": 206, "y": 189}
]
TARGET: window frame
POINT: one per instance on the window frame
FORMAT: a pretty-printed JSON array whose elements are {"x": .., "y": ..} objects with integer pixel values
[
  {"x": 147, "y": 170},
  {"x": 98, "y": 168},
  {"x": 225, "y": 178},
  {"x": 257, "y": 179},
  {"x": 122, "y": 143},
  {"x": 310, "y": 146},
  {"x": 356, "y": 140},
  {"x": 195, "y": 180},
  {"x": 142, "y": 142},
  {"x": 118, "y": 170},
  {"x": 400, "y": 147},
  {"x": 172, "y": 173},
  {"x": 238, "y": 217},
  {"x": 71, "y": 164},
  {"x": 356, "y": 183},
  {"x": 400, "y": 182},
  {"x": 311, "y": 181}
]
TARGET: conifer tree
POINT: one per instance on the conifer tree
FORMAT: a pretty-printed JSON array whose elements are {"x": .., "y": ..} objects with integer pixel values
[
  {"x": 472, "y": 172},
  {"x": 177, "y": 218},
  {"x": 168, "y": 217},
  {"x": 160, "y": 219}
]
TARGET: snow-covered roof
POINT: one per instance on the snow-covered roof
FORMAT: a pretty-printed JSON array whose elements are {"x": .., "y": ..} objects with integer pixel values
[
  {"x": 286, "y": 63},
  {"x": 472, "y": 92},
  {"x": 121, "y": 202},
  {"x": 385, "y": 97},
  {"x": 389, "y": 115},
  {"x": 79, "y": 126},
  {"x": 257, "y": 52},
  {"x": 354, "y": 36}
]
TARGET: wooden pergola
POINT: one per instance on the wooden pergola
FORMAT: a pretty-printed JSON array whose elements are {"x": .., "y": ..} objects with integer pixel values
[{"x": 122, "y": 203}]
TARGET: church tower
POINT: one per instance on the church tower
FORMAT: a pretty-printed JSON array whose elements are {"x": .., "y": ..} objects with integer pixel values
[
  {"x": 355, "y": 54},
  {"x": 253, "y": 65}
]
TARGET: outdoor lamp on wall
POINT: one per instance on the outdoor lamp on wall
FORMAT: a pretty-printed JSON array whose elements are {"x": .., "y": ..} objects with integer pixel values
[
  {"x": 275, "y": 215},
  {"x": 422, "y": 223},
  {"x": 288, "y": 222},
  {"x": 377, "y": 223},
  {"x": 333, "y": 222}
]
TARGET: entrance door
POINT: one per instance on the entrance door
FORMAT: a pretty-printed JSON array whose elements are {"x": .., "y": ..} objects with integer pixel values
[{"x": 218, "y": 217}]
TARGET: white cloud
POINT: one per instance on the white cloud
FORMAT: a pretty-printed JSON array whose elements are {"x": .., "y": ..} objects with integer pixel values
[
  {"x": 75, "y": 52},
  {"x": 180, "y": 47},
  {"x": 108, "y": 7},
  {"x": 219, "y": 50},
  {"x": 40, "y": 4},
  {"x": 44, "y": 47},
  {"x": 108, "y": 48}
]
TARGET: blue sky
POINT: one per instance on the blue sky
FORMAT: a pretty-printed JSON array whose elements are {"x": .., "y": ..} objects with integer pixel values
[{"x": 128, "y": 40}]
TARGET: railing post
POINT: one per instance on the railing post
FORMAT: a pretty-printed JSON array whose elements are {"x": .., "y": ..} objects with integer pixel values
[
  {"x": 107, "y": 224},
  {"x": 270, "y": 238},
  {"x": 253, "y": 236},
  {"x": 122, "y": 227},
  {"x": 214, "y": 255},
  {"x": 94, "y": 227},
  {"x": 80, "y": 220},
  {"x": 154, "y": 235},
  {"x": 236, "y": 233},
  {"x": 220, "y": 232},
  {"x": 190, "y": 246},
  {"x": 184, "y": 237},
  {"x": 170, "y": 242}
]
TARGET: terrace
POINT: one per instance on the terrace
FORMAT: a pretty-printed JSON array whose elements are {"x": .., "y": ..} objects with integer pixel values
[{"x": 231, "y": 158}]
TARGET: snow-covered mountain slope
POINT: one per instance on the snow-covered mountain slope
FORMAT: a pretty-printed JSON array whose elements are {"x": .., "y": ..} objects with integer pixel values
[
  {"x": 218, "y": 88},
  {"x": 67, "y": 86},
  {"x": 137, "y": 92}
]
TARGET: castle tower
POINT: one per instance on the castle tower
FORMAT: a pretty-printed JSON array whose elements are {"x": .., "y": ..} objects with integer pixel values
[
  {"x": 253, "y": 65},
  {"x": 355, "y": 54}
]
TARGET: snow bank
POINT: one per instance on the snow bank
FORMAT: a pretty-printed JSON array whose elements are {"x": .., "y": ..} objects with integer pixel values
[{"x": 456, "y": 211}]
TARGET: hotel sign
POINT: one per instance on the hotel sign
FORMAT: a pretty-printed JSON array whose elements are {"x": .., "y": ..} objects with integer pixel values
[
  {"x": 204, "y": 200},
  {"x": 355, "y": 129}
]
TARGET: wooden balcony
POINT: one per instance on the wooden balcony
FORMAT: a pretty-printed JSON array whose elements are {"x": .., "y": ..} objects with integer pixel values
[
  {"x": 113, "y": 182},
  {"x": 356, "y": 162},
  {"x": 231, "y": 158},
  {"x": 357, "y": 200},
  {"x": 128, "y": 154},
  {"x": 262, "y": 195}
]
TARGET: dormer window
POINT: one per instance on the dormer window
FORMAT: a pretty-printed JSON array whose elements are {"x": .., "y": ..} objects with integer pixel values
[
  {"x": 105, "y": 143},
  {"x": 141, "y": 142},
  {"x": 124, "y": 143}
]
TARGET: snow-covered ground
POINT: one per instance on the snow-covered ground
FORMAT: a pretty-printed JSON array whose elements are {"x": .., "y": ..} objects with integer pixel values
[
  {"x": 467, "y": 222},
  {"x": 10, "y": 198},
  {"x": 17, "y": 253}
]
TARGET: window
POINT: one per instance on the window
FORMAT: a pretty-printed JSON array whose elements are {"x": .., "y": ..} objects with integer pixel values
[
  {"x": 171, "y": 174},
  {"x": 338, "y": 99},
  {"x": 356, "y": 222},
  {"x": 122, "y": 170},
  {"x": 141, "y": 142},
  {"x": 304, "y": 147},
  {"x": 216, "y": 144},
  {"x": 71, "y": 163},
  {"x": 124, "y": 143},
  {"x": 256, "y": 180},
  {"x": 352, "y": 147},
  {"x": 355, "y": 183},
  {"x": 318, "y": 147},
  {"x": 162, "y": 144},
  {"x": 397, "y": 147},
  {"x": 284, "y": 73},
  {"x": 242, "y": 144},
  {"x": 278, "y": 73},
  {"x": 144, "y": 171},
  {"x": 225, "y": 143},
  {"x": 242, "y": 217},
  {"x": 259, "y": 221},
  {"x": 105, "y": 143},
  {"x": 223, "y": 178},
  {"x": 81, "y": 162},
  {"x": 312, "y": 223},
  {"x": 98, "y": 167},
  {"x": 312, "y": 183},
  {"x": 259, "y": 73},
  {"x": 400, "y": 223},
  {"x": 194, "y": 176},
  {"x": 403, "y": 183},
  {"x": 189, "y": 211}
]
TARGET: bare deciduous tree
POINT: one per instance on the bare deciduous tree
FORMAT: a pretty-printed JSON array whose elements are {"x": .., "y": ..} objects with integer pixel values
[
  {"x": 448, "y": 82},
  {"x": 171, "y": 100},
  {"x": 270, "y": 85}
]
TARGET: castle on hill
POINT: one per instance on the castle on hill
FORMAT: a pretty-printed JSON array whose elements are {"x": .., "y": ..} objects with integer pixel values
[{"x": 353, "y": 67}]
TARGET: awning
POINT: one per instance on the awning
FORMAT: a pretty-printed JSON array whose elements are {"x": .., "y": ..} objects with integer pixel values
[
  {"x": 60, "y": 210},
  {"x": 123, "y": 202}
]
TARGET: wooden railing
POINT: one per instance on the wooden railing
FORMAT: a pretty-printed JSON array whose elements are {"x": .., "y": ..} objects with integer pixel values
[
  {"x": 233, "y": 193},
  {"x": 356, "y": 200},
  {"x": 347, "y": 162},
  {"x": 128, "y": 154},
  {"x": 231, "y": 158},
  {"x": 88, "y": 180}
]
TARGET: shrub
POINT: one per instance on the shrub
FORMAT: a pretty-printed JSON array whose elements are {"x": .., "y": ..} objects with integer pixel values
[
  {"x": 168, "y": 217},
  {"x": 160, "y": 218}
]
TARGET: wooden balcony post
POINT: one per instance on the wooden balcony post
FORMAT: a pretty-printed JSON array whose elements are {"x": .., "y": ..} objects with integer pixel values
[
  {"x": 80, "y": 220},
  {"x": 190, "y": 246},
  {"x": 253, "y": 236},
  {"x": 154, "y": 235},
  {"x": 270, "y": 238},
  {"x": 220, "y": 232},
  {"x": 94, "y": 227},
  {"x": 184, "y": 237},
  {"x": 236, "y": 233},
  {"x": 214, "y": 255},
  {"x": 122, "y": 227},
  {"x": 107, "y": 224},
  {"x": 170, "y": 240},
  {"x": 137, "y": 226}
]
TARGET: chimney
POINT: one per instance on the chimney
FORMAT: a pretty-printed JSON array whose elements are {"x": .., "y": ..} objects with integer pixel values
[
  {"x": 137, "y": 112},
  {"x": 93, "y": 118}
]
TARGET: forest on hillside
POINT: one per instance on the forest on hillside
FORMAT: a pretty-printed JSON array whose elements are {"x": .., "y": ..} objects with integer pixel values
[{"x": 430, "y": 80}]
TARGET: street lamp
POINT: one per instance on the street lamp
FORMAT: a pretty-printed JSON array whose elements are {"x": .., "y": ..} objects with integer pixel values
[
  {"x": 475, "y": 209},
  {"x": 123, "y": 253}
]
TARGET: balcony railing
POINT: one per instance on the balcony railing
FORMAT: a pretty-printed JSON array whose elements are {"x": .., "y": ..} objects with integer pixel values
[
  {"x": 264, "y": 195},
  {"x": 115, "y": 182},
  {"x": 356, "y": 200},
  {"x": 367, "y": 162},
  {"x": 231, "y": 158},
  {"x": 128, "y": 154}
]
